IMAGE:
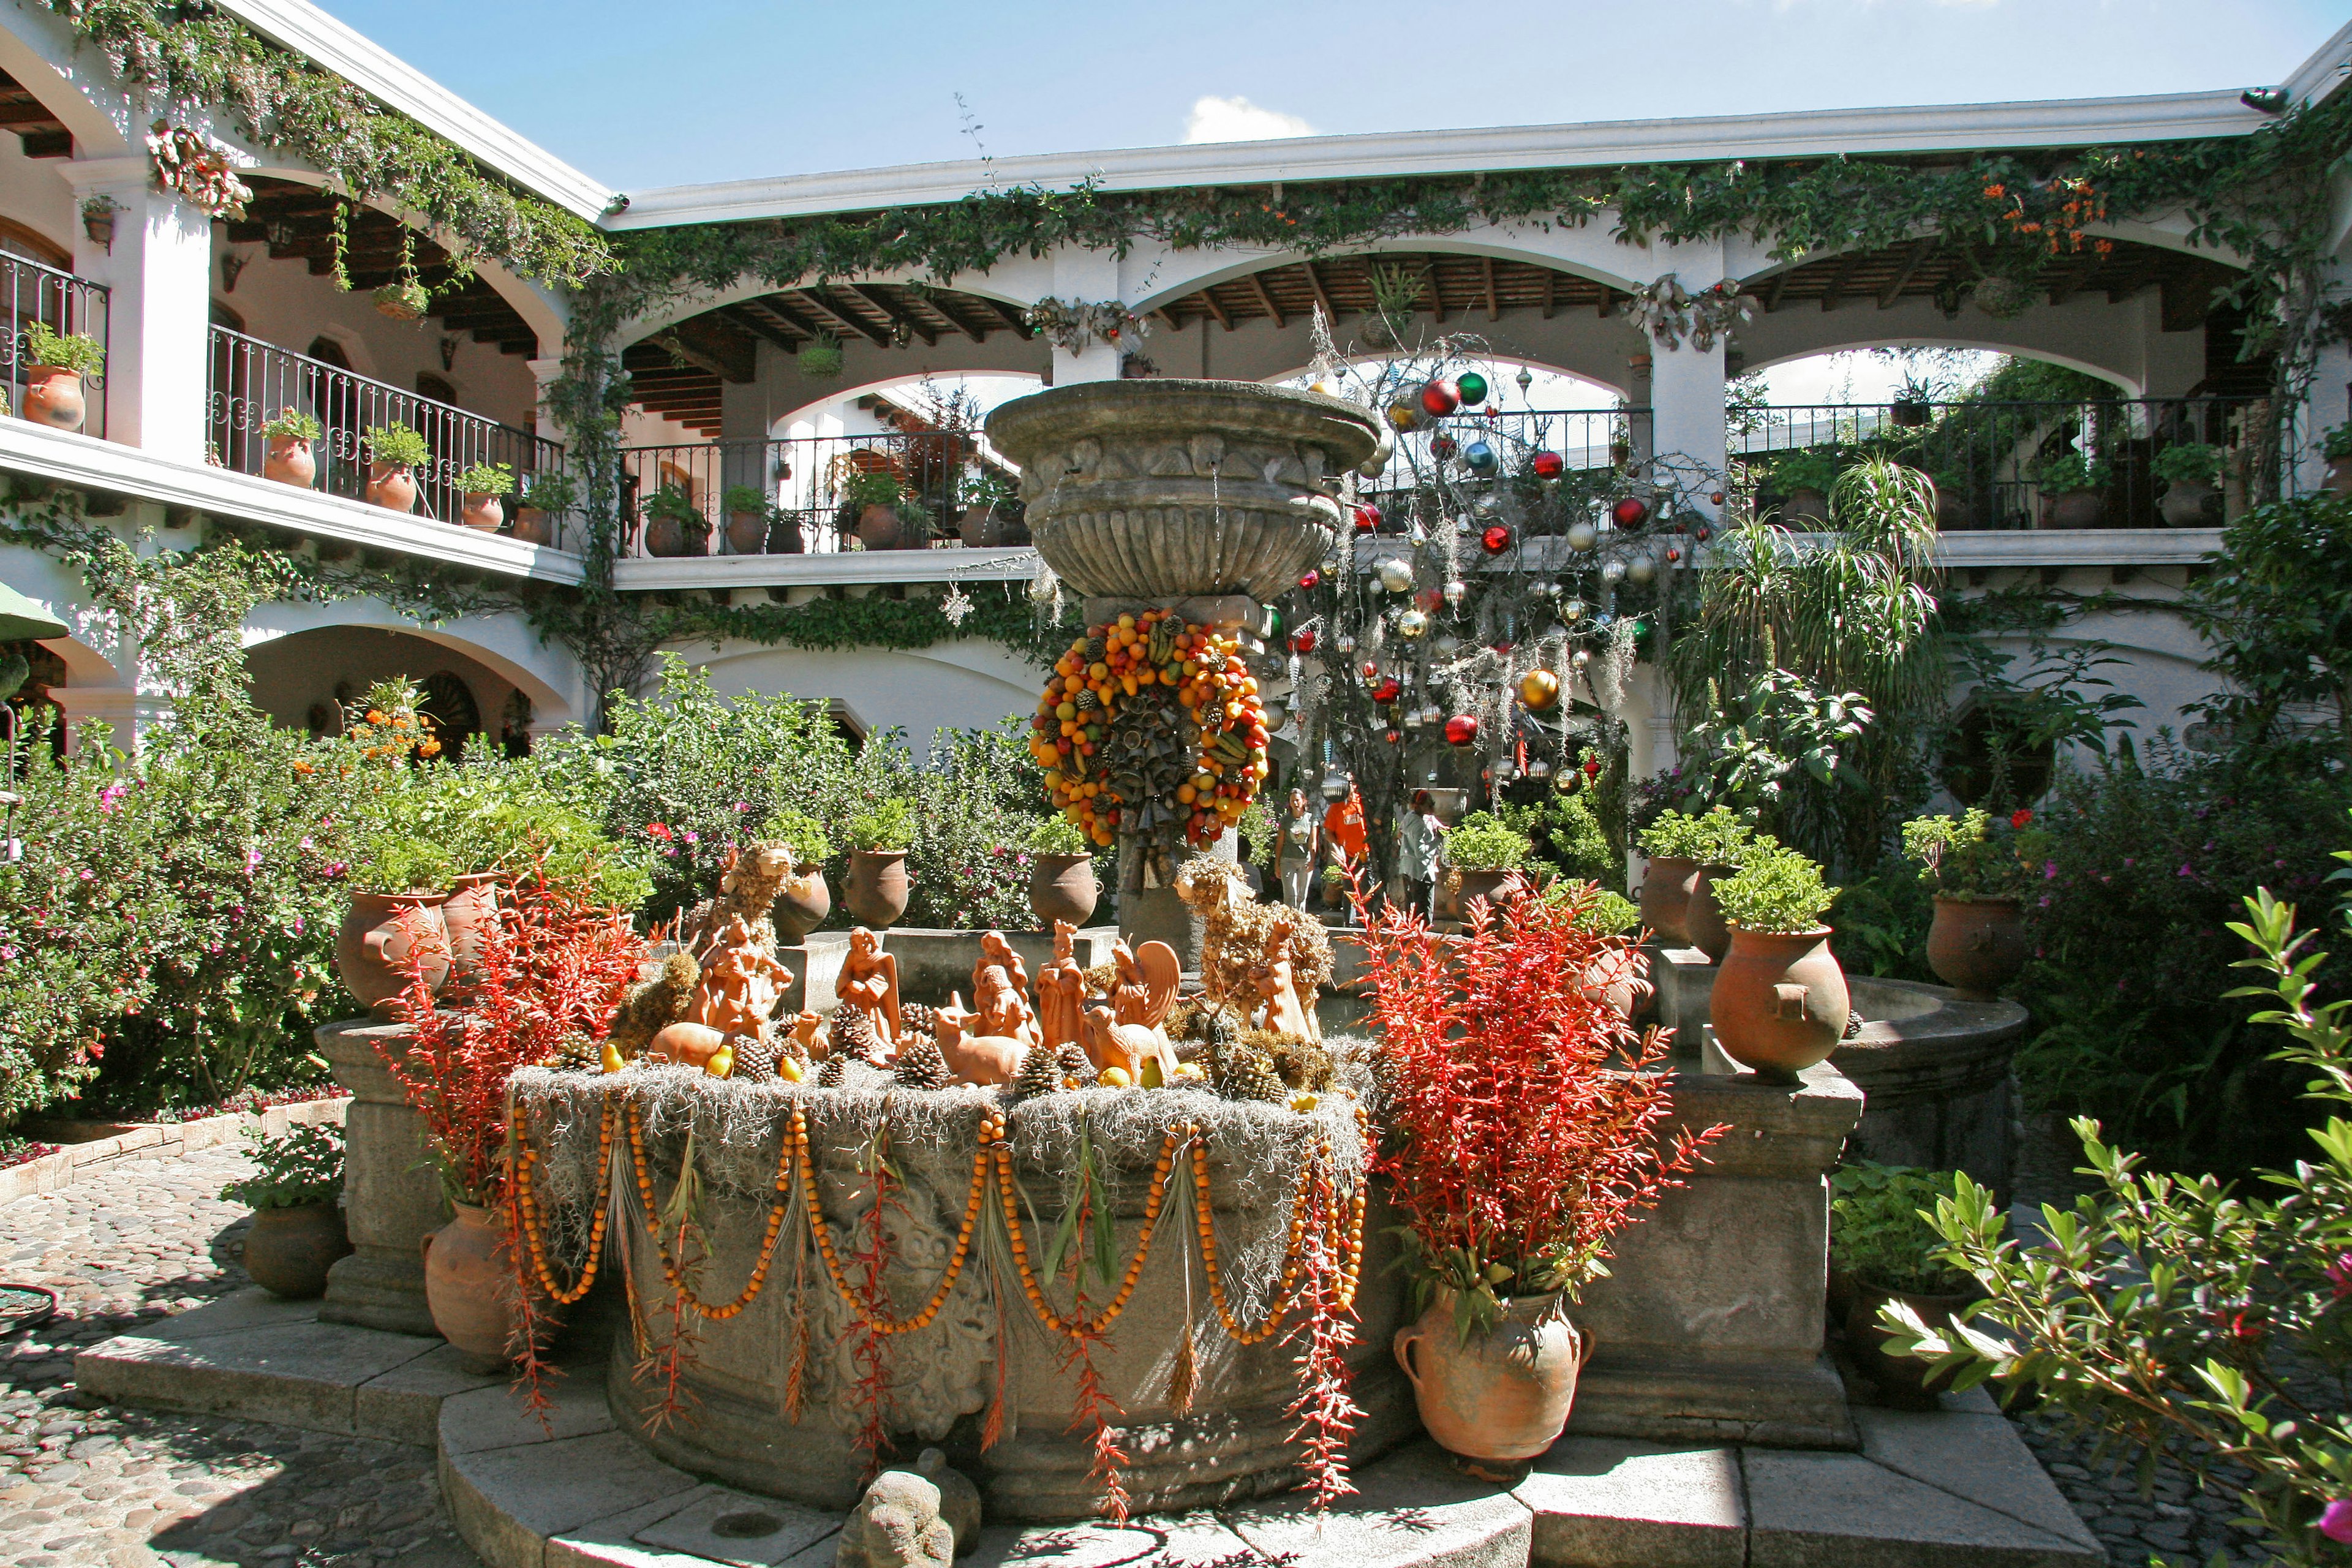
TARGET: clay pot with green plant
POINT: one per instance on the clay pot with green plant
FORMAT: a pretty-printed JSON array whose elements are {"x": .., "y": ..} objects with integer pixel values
[
  {"x": 991, "y": 502},
  {"x": 1779, "y": 1004},
  {"x": 2074, "y": 492},
  {"x": 1913, "y": 406},
  {"x": 748, "y": 516},
  {"x": 2192, "y": 472},
  {"x": 395, "y": 920},
  {"x": 805, "y": 901},
  {"x": 55, "y": 364},
  {"x": 298, "y": 1229},
  {"x": 483, "y": 485},
  {"x": 673, "y": 524},
  {"x": 1062, "y": 884},
  {"x": 394, "y": 453},
  {"x": 879, "y": 839},
  {"x": 1676, "y": 845},
  {"x": 1883, "y": 1251},
  {"x": 1484, "y": 853},
  {"x": 1803, "y": 480},
  {"x": 292, "y": 457},
  {"x": 872, "y": 504},
  {"x": 820, "y": 357},
  {"x": 1979, "y": 867},
  {"x": 544, "y": 502}
]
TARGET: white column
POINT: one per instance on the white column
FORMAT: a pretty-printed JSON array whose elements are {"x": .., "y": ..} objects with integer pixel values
[
  {"x": 115, "y": 706},
  {"x": 544, "y": 374},
  {"x": 1686, "y": 413},
  {"x": 159, "y": 310},
  {"x": 1083, "y": 277}
]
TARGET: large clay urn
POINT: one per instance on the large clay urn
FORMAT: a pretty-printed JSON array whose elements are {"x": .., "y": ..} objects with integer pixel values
[
  {"x": 291, "y": 462},
  {"x": 482, "y": 511},
  {"x": 802, "y": 903},
  {"x": 2188, "y": 504},
  {"x": 1805, "y": 506},
  {"x": 877, "y": 886},
  {"x": 392, "y": 485},
  {"x": 289, "y": 1250},
  {"x": 53, "y": 396},
  {"x": 469, "y": 1288},
  {"x": 532, "y": 526},
  {"x": 1062, "y": 888},
  {"x": 1977, "y": 945},
  {"x": 1502, "y": 1396},
  {"x": 1486, "y": 885},
  {"x": 376, "y": 947},
  {"x": 1665, "y": 896},
  {"x": 1703, "y": 921},
  {"x": 1162, "y": 489},
  {"x": 880, "y": 527},
  {"x": 747, "y": 532},
  {"x": 2074, "y": 508},
  {"x": 472, "y": 904},
  {"x": 1779, "y": 1004}
]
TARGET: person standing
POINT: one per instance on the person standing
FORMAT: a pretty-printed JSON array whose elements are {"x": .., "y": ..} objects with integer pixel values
[
  {"x": 1297, "y": 846},
  {"x": 1420, "y": 843},
  {"x": 1344, "y": 840}
]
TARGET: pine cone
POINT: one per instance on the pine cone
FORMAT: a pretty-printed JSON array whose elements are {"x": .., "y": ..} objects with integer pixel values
[
  {"x": 1239, "y": 1071},
  {"x": 830, "y": 1075},
  {"x": 755, "y": 1060},
  {"x": 1074, "y": 1062},
  {"x": 1041, "y": 1073},
  {"x": 853, "y": 1038},
  {"x": 920, "y": 1066},
  {"x": 914, "y": 1019}
]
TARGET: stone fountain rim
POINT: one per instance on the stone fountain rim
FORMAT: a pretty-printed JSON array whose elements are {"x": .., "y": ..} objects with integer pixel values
[
  {"x": 1187, "y": 406},
  {"x": 1955, "y": 1020}
]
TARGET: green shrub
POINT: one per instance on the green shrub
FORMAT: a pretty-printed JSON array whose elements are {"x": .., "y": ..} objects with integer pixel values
[
  {"x": 671, "y": 503},
  {"x": 291, "y": 424},
  {"x": 1564, "y": 830},
  {"x": 1777, "y": 892},
  {"x": 1058, "y": 836},
  {"x": 871, "y": 489},
  {"x": 75, "y": 352},
  {"x": 397, "y": 445},
  {"x": 1881, "y": 1228},
  {"x": 1976, "y": 857},
  {"x": 743, "y": 498},
  {"x": 1805, "y": 470},
  {"x": 487, "y": 479},
  {"x": 552, "y": 491},
  {"x": 800, "y": 832},
  {"x": 886, "y": 824},
  {"x": 1480, "y": 842},
  {"x": 1609, "y": 914},
  {"x": 303, "y": 1165},
  {"x": 2072, "y": 471},
  {"x": 1882, "y": 922},
  {"x": 1717, "y": 838},
  {"x": 2190, "y": 462}
]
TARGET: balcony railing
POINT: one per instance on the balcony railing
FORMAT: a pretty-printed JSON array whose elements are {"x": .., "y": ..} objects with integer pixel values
[
  {"x": 62, "y": 302},
  {"x": 1587, "y": 440},
  {"x": 807, "y": 495},
  {"x": 253, "y": 382},
  {"x": 1989, "y": 460}
]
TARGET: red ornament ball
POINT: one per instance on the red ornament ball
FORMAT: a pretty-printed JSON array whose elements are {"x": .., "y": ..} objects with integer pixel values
[
  {"x": 1549, "y": 465},
  {"x": 1371, "y": 671},
  {"x": 1673, "y": 553},
  {"x": 1368, "y": 518},
  {"x": 1393, "y": 737},
  {"x": 1387, "y": 690},
  {"x": 1442, "y": 447},
  {"x": 1629, "y": 512},
  {"x": 1440, "y": 398},
  {"x": 1432, "y": 599},
  {"x": 1702, "y": 533},
  {"x": 1303, "y": 642},
  {"x": 1497, "y": 539},
  {"x": 1311, "y": 579},
  {"x": 1716, "y": 497},
  {"x": 1461, "y": 730}
]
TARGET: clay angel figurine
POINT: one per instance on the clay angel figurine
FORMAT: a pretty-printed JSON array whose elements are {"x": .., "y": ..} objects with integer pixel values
[
  {"x": 869, "y": 985},
  {"x": 1128, "y": 1032},
  {"x": 1002, "y": 1008},
  {"x": 1280, "y": 1009},
  {"x": 985, "y": 1058},
  {"x": 1062, "y": 992}
]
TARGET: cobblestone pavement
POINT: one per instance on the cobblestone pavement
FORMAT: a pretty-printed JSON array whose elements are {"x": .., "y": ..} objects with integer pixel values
[{"x": 132, "y": 1489}]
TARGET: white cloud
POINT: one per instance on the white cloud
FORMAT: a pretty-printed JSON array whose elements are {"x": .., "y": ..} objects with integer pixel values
[{"x": 1236, "y": 119}]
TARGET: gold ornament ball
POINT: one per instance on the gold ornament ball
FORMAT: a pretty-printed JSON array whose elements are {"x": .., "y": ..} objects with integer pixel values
[
  {"x": 1411, "y": 625},
  {"x": 1540, "y": 689}
]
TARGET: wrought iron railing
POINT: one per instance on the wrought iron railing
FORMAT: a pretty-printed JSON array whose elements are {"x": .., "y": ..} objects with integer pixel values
[
  {"x": 64, "y": 303},
  {"x": 2013, "y": 465},
  {"x": 252, "y": 382},
  {"x": 1591, "y": 444},
  {"x": 816, "y": 495}
]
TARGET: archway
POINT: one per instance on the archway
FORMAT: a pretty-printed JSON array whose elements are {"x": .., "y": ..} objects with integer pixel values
[{"x": 304, "y": 678}]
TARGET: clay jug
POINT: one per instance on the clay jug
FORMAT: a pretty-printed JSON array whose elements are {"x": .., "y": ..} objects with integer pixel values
[
  {"x": 1666, "y": 898},
  {"x": 1504, "y": 1395},
  {"x": 2074, "y": 508},
  {"x": 472, "y": 904},
  {"x": 1977, "y": 945},
  {"x": 533, "y": 526},
  {"x": 289, "y": 1250},
  {"x": 1062, "y": 888},
  {"x": 747, "y": 532},
  {"x": 880, "y": 528},
  {"x": 1703, "y": 921},
  {"x": 1804, "y": 507},
  {"x": 392, "y": 485},
  {"x": 372, "y": 950},
  {"x": 1486, "y": 885},
  {"x": 2188, "y": 504},
  {"x": 1779, "y": 1004},
  {"x": 482, "y": 511},
  {"x": 53, "y": 396},
  {"x": 802, "y": 905},
  {"x": 469, "y": 1288},
  {"x": 1619, "y": 980},
  {"x": 291, "y": 461},
  {"x": 877, "y": 886}
]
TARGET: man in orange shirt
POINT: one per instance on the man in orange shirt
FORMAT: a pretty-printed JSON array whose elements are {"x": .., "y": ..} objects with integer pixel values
[{"x": 1343, "y": 831}]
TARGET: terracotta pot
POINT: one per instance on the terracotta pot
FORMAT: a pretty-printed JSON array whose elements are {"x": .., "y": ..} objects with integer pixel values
[
  {"x": 482, "y": 511},
  {"x": 1504, "y": 1395},
  {"x": 1666, "y": 898},
  {"x": 2188, "y": 504},
  {"x": 1486, "y": 885},
  {"x": 291, "y": 461},
  {"x": 1903, "y": 1381},
  {"x": 802, "y": 905},
  {"x": 1977, "y": 945},
  {"x": 533, "y": 526},
  {"x": 1805, "y": 506},
  {"x": 53, "y": 396},
  {"x": 1615, "y": 979},
  {"x": 979, "y": 527},
  {"x": 372, "y": 950},
  {"x": 667, "y": 536},
  {"x": 1910, "y": 415},
  {"x": 2074, "y": 508},
  {"x": 289, "y": 1250},
  {"x": 747, "y": 532},
  {"x": 1780, "y": 1005},
  {"x": 880, "y": 528},
  {"x": 877, "y": 886},
  {"x": 1952, "y": 511},
  {"x": 392, "y": 485},
  {"x": 469, "y": 1287},
  {"x": 472, "y": 904},
  {"x": 1703, "y": 919},
  {"x": 1062, "y": 888}
]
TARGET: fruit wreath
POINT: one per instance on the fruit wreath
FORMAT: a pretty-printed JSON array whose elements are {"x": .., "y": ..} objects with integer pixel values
[{"x": 1153, "y": 724}]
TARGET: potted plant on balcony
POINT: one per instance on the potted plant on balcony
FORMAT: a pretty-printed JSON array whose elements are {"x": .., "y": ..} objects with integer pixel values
[
  {"x": 1061, "y": 874},
  {"x": 871, "y": 502},
  {"x": 1803, "y": 479},
  {"x": 803, "y": 900},
  {"x": 748, "y": 516},
  {"x": 991, "y": 499},
  {"x": 55, "y": 365},
  {"x": 819, "y": 357},
  {"x": 298, "y": 1230},
  {"x": 292, "y": 460},
  {"x": 1523, "y": 1133},
  {"x": 1688, "y": 856},
  {"x": 394, "y": 453},
  {"x": 1914, "y": 404},
  {"x": 1779, "y": 1004},
  {"x": 879, "y": 839},
  {"x": 1481, "y": 853},
  {"x": 1886, "y": 1251},
  {"x": 547, "y": 498},
  {"x": 1952, "y": 514},
  {"x": 1979, "y": 867},
  {"x": 2192, "y": 472},
  {"x": 2074, "y": 490},
  {"x": 2336, "y": 446},
  {"x": 483, "y": 484},
  {"x": 673, "y": 524}
]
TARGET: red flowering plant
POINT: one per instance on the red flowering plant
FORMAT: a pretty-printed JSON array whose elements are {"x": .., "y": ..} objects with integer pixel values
[
  {"x": 1974, "y": 856},
  {"x": 1525, "y": 1116}
]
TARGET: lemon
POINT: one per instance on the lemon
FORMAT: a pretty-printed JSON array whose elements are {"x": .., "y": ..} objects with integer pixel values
[
  {"x": 1115, "y": 1078},
  {"x": 613, "y": 1062},
  {"x": 1303, "y": 1103},
  {"x": 789, "y": 1070},
  {"x": 722, "y": 1062}
]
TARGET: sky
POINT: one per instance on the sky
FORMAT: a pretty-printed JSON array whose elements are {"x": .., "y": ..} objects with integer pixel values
[{"x": 645, "y": 96}]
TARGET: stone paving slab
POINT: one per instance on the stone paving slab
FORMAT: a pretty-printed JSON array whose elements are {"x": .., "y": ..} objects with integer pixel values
[
  {"x": 1412, "y": 1507},
  {"x": 301, "y": 1375},
  {"x": 1841, "y": 1510},
  {"x": 1619, "y": 1502},
  {"x": 1976, "y": 1457},
  {"x": 509, "y": 1501}
]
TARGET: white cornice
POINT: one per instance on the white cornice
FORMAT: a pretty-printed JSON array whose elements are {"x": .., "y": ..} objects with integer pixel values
[
  {"x": 2324, "y": 71},
  {"x": 311, "y": 33},
  {"x": 1811, "y": 133},
  {"x": 848, "y": 567}
]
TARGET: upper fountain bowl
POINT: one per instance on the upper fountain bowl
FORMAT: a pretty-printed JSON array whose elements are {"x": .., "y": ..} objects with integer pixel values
[{"x": 1164, "y": 489}]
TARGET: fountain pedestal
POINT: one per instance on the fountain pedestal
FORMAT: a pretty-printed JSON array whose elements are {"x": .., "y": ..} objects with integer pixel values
[{"x": 391, "y": 1200}]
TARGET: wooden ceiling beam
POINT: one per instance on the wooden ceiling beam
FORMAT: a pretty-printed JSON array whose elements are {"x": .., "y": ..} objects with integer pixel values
[
  {"x": 1494, "y": 297},
  {"x": 936, "y": 302},
  {"x": 788, "y": 310},
  {"x": 900, "y": 318},
  {"x": 844, "y": 320},
  {"x": 1208, "y": 297},
  {"x": 1007, "y": 314},
  {"x": 2075, "y": 277},
  {"x": 1779, "y": 286},
  {"x": 1432, "y": 288},
  {"x": 1265, "y": 298},
  {"x": 58, "y": 144},
  {"x": 1550, "y": 282},
  {"x": 759, "y": 326},
  {"x": 1847, "y": 269},
  {"x": 1919, "y": 252},
  {"x": 1322, "y": 295},
  {"x": 15, "y": 116}
]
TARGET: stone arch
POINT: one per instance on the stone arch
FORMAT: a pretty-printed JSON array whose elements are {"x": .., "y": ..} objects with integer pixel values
[
  {"x": 72, "y": 83},
  {"x": 637, "y": 329},
  {"x": 500, "y": 644},
  {"x": 1170, "y": 280},
  {"x": 851, "y": 393},
  {"x": 2125, "y": 385}
]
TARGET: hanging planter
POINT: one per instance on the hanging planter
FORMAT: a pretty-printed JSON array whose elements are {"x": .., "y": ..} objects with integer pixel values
[
  {"x": 820, "y": 357},
  {"x": 404, "y": 300}
]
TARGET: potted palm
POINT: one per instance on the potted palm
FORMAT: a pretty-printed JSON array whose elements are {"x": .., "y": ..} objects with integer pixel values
[
  {"x": 1803, "y": 479},
  {"x": 292, "y": 460},
  {"x": 54, "y": 366},
  {"x": 2074, "y": 490},
  {"x": 298, "y": 1229},
  {"x": 1779, "y": 1004},
  {"x": 1061, "y": 874},
  {"x": 483, "y": 484},
  {"x": 747, "y": 511},
  {"x": 2192, "y": 472},
  {"x": 394, "y": 453},
  {"x": 880, "y": 838},
  {"x": 1482, "y": 852},
  {"x": 1914, "y": 404},
  {"x": 547, "y": 498},
  {"x": 673, "y": 524},
  {"x": 991, "y": 500},
  {"x": 803, "y": 900},
  {"x": 1884, "y": 1250},
  {"x": 1523, "y": 1133},
  {"x": 1979, "y": 866},
  {"x": 819, "y": 357}
]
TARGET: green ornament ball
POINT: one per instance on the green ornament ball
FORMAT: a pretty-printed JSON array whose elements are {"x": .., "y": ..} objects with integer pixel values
[{"x": 1474, "y": 387}]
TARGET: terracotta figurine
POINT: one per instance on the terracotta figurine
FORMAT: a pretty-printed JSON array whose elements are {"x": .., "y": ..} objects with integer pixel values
[
  {"x": 869, "y": 985},
  {"x": 1061, "y": 993},
  {"x": 995, "y": 952},
  {"x": 985, "y": 1058}
]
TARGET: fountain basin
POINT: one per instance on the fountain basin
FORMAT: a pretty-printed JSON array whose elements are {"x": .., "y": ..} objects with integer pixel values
[{"x": 1935, "y": 1067}]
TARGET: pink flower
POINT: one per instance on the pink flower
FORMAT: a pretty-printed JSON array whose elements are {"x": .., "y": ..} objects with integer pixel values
[
  {"x": 2339, "y": 1277},
  {"x": 2335, "y": 1519},
  {"x": 693, "y": 839},
  {"x": 305, "y": 844},
  {"x": 253, "y": 860},
  {"x": 2184, "y": 871}
]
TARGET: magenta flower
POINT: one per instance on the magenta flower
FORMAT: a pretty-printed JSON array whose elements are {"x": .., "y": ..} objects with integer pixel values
[
  {"x": 2335, "y": 1519},
  {"x": 2339, "y": 1275}
]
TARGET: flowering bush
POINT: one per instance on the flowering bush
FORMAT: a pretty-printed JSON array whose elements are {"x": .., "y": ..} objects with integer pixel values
[{"x": 1977, "y": 856}]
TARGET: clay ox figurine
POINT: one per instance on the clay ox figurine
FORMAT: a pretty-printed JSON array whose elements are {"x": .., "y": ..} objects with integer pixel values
[
  {"x": 1127, "y": 1033},
  {"x": 869, "y": 985},
  {"x": 986, "y": 1058}
]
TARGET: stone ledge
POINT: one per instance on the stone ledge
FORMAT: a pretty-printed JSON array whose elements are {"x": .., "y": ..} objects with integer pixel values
[{"x": 158, "y": 1140}]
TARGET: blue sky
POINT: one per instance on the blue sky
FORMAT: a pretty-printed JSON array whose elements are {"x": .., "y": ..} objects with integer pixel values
[{"x": 642, "y": 96}]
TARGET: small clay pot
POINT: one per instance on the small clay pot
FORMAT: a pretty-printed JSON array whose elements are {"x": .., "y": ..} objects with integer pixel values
[
  {"x": 1977, "y": 945},
  {"x": 1486, "y": 885},
  {"x": 802, "y": 905},
  {"x": 880, "y": 528},
  {"x": 289, "y": 1250},
  {"x": 291, "y": 461},
  {"x": 533, "y": 526},
  {"x": 1503, "y": 1396},
  {"x": 747, "y": 532},
  {"x": 1952, "y": 511},
  {"x": 1062, "y": 888},
  {"x": 1904, "y": 1381},
  {"x": 2188, "y": 504},
  {"x": 1779, "y": 1004},
  {"x": 1703, "y": 921},
  {"x": 1616, "y": 981},
  {"x": 1666, "y": 898},
  {"x": 392, "y": 485},
  {"x": 1805, "y": 506},
  {"x": 373, "y": 948},
  {"x": 469, "y": 1288},
  {"x": 53, "y": 396},
  {"x": 877, "y": 886},
  {"x": 2074, "y": 508},
  {"x": 482, "y": 511},
  {"x": 980, "y": 527},
  {"x": 472, "y": 904}
]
